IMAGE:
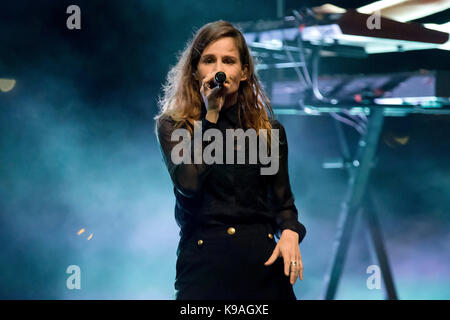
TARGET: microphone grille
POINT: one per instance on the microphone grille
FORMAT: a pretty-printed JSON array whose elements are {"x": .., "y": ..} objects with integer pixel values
[{"x": 220, "y": 77}]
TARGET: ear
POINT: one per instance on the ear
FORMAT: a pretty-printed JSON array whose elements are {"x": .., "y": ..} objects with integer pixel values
[{"x": 244, "y": 72}]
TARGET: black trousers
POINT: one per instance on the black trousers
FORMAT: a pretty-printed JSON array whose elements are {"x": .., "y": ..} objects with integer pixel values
[{"x": 214, "y": 264}]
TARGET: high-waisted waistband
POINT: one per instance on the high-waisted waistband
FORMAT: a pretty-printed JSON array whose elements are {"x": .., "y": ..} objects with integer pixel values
[
  {"x": 218, "y": 232},
  {"x": 235, "y": 230}
]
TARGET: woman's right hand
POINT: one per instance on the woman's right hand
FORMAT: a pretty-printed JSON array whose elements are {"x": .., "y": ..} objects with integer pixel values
[{"x": 213, "y": 98}]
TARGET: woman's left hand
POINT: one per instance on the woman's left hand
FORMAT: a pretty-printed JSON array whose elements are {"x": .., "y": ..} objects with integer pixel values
[{"x": 288, "y": 248}]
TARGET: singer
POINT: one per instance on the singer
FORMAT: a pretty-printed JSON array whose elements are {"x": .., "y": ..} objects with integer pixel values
[{"x": 228, "y": 214}]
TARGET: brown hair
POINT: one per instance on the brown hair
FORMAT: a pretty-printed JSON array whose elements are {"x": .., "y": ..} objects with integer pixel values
[{"x": 181, "y": 98}]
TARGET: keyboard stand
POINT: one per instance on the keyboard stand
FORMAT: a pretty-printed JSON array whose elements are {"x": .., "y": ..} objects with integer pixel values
[{"x": 358, "y": 198}]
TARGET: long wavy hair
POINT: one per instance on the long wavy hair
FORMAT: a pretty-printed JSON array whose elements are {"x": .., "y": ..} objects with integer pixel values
[{"x": 181, "y": 99}]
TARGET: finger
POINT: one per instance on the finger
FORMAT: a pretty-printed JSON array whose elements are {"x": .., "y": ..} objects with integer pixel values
[
  {"x": 273, "y": 257},
  {"x": 287, "y": 265},
  {"x": 208, "y": 79},
  {"x": 202, "y": 89},
  {"x": 299, "y": 269},
  {"x": 293, "y": 274},
  {"x": 219, "y": 89},
  {"x": 226, "y": 85},
  {"x": 295, "y": 271},
  {"x": 215, "y": 91},
  {"x": 300, "y": 264}
]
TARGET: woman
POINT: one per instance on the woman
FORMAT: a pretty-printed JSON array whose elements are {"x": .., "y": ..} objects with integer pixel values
[{"x": 228, "y": 213}]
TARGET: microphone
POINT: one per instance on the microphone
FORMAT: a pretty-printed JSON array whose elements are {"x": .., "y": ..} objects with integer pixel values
[{"x": 219, "y": 79}]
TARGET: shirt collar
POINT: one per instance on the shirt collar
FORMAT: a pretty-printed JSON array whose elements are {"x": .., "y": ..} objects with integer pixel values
[{"x": 231, "y": 113}]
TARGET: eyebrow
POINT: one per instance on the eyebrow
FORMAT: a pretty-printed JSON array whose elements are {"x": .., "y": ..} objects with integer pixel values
[{"x": 212, "y": 55}]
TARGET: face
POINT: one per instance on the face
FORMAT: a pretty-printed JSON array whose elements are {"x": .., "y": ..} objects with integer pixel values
[{"x": 222, "y": 55}]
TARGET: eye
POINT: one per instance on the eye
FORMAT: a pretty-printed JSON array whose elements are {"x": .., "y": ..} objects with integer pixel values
[
  {"x": 229, "y": 61},
  {"x": 208, "y": 60}
]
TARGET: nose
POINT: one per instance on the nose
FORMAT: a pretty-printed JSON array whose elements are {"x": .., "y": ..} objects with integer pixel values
[{"x": 218, "y": 66}]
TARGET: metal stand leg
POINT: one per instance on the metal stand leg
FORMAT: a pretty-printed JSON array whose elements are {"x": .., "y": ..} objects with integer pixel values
[
  {"x": 359, "y": 175},
  {"x": 377, "y": 239}
]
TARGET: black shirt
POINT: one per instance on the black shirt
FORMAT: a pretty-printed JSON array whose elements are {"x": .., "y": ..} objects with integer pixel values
[{"x": 227, "y": 194}]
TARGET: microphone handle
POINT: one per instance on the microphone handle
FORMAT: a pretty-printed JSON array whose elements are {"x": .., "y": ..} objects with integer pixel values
[
  {"x": 218, "y": 80},
  {"x": 214, "y": 84}
]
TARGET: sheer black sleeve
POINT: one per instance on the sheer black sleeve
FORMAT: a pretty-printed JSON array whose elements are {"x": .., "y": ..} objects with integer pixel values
[
  {"x": 283, "y": 199},
  {"x": 187, "y": 178}
]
